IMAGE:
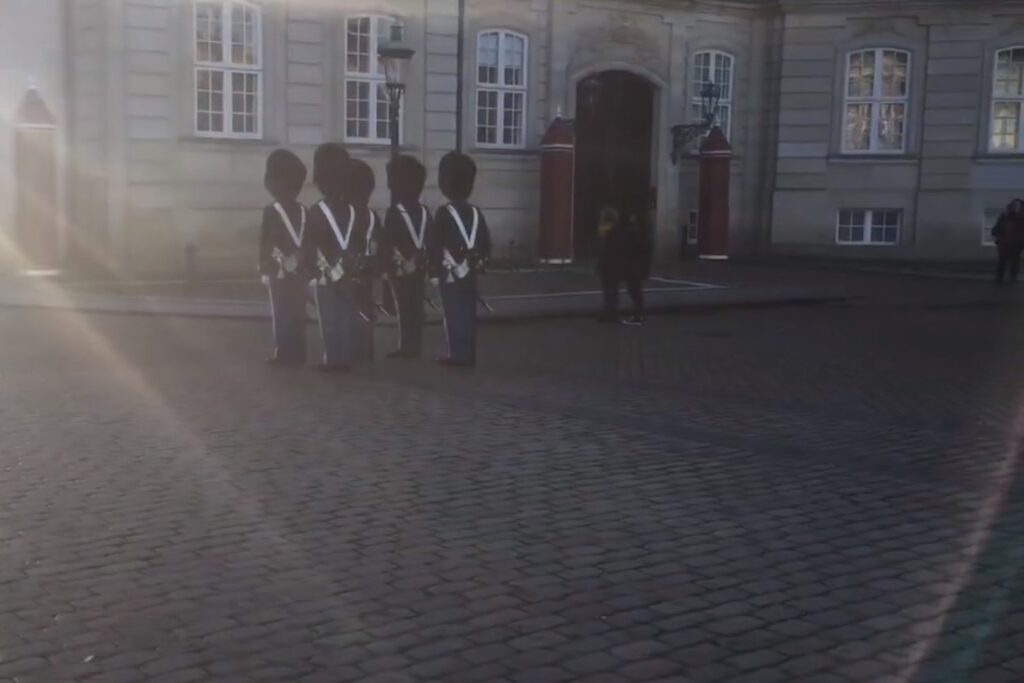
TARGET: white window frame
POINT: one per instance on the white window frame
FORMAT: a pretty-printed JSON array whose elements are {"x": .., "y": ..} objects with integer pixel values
[
  {"x": 998, "y": 99},
  {"x": 501, "y": 89},
  {"x": 986, "y": 226},
  {"x": 876, "y": 100},
  {"x": 695, "y": 85},
  {"x": 376, "y": 78},
  {"x": 228, "y": 68},
  {"x": 868, "y": 225}
]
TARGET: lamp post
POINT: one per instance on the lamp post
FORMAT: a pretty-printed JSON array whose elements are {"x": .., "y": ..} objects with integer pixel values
[
  {"x": 394, "y": 56},
  {"x": 683, "y": 135}
]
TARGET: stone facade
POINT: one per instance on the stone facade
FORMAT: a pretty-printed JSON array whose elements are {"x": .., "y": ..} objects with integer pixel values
[
  {"x": 143, "y": 178},
  {"x": 946, "y": 178},
  {"x": 31, "y": 54}
]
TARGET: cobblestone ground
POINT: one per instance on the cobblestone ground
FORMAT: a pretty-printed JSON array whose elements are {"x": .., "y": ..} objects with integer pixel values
[{"x": 818, "y": 494}]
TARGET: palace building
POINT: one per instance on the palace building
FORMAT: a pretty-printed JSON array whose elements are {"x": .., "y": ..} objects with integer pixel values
[{"x": 875, "y": 129}]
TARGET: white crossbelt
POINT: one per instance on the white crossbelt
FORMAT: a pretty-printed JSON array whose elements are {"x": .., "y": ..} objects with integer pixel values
[
  {"x": 459, "y": 270},
  {"x": 343, "y": 239},
  {"x": 417, "y": 238},
  {"x": 470, "y": 237},
  {"x": 289, "y": 264},
  {"x": 296, "y": 236},
  {"x": 410, "y": 266},
  {"x": 337, "y": 271}
]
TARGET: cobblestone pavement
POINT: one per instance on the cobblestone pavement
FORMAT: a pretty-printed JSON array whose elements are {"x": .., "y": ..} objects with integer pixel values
[{"x": 819, "y": 494}]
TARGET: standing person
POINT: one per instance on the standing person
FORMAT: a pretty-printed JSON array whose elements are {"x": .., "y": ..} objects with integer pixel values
[
  {"x": 403, "y": 251},
  {"x": 1008, "y": 233},
  {"x": 359, "y": 186},
  {"x": 628, "y": 248},
  {"x": 608, "y": 265},
  {"x": 327, "y": 258},
  {"x": 281, "y": 235},
  {"x": 460, "y": 246}
]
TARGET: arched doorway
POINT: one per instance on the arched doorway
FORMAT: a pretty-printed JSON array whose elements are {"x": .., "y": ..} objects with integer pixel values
[{"x": 614, "y": 129}]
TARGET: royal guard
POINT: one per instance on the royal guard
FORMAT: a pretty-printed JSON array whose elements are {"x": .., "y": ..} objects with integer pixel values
[
  {"x": 281, "y": 236},
  {"x": 403, "y": 251},
  {"x": 329, "y": 260},
  {"x": 460, "y": 247},
  {"x": 359, "y": 186}
]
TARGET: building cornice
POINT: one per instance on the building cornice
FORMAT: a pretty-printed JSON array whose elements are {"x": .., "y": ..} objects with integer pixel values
[
  {"x": 856, "y": 6},
  {"x": 899, "y": 7}
]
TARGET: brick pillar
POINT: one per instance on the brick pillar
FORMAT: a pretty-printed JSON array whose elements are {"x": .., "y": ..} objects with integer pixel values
[{"x": 713, "y": 210}]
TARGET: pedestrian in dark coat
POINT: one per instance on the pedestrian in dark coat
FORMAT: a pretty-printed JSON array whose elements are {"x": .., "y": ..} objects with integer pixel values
[
  {"x": 460, "y": 246},
  {"x": 403, "y": 251},
  {"x": 1008, "y": 234},
  {"x": 626, "y": 257},
  {"x": 280, "y": 257},
  {"x": 607, "y": 265}
]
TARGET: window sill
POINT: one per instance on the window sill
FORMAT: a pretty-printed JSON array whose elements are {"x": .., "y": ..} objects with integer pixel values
[
  {"x": 867, "y": 244},
  {"x": 376, "y": 147},
  {"x": 695, "y": 156},
  {"x": 228, "y": 141},
  {"x": 999, "y": 157},
  {"x": 872, "y": 159},
  {"x": 505, "y": 151}
]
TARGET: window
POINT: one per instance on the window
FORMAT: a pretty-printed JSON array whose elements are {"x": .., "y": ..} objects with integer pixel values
[
  {"x": 691, "y": 227},
  {"x": 716, "y": 68},
  {"x": 989, "y": 222},
  {"x": 875, "y": 115},
  {"x": 868, "y": 226},
  {"x": 228, "y": 69},
  {"x": 367, "y": 106},
  {"x": 501, "y": 89},
  {"x": 1007, "y": 99}
]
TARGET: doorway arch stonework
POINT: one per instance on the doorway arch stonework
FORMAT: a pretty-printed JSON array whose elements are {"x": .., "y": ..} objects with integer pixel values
[
  {"x": 603, "y": 57},
  {"x": 616, "y": 57}
]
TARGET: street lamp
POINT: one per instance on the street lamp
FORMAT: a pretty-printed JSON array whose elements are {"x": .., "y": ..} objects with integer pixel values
[
  {"x": 710, "y": 95},
  {"x": 394, "y": 57}
]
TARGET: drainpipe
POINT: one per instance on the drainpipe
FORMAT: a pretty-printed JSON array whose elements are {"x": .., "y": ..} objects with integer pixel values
[
  {"x": 460, "y": 58},
  {"x": 771, "y": 149},
  {"x": 916, "y": 237}
]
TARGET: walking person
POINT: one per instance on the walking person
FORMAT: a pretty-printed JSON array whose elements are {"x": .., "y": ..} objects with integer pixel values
[
  {"x": 607, "y": 265},
  {"x": 403, "y": 252},
  {"x": 460, "y": 247},
  {"x": 327, "y": 258},
  {"x": 280, "y": 267},
  {"x": 626, "y": 257},
  {"x": 1008, "y": 233}
]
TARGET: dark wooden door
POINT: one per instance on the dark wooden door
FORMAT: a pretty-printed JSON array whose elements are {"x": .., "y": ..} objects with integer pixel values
[{"x": 614, "y": 119}]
